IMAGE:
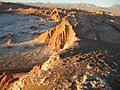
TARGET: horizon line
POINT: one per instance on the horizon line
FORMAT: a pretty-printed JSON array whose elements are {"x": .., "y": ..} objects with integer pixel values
[{"x": 59, "y": 3}]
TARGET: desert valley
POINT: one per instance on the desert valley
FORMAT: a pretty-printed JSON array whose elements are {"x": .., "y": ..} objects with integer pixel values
[{"x": 55, "y": 48}]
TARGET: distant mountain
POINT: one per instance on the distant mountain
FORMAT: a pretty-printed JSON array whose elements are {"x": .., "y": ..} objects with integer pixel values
[
  {"x": 115, "y": 6},
  {"x": 115, "y": 9},
  {"x": 64, "y": 5}
]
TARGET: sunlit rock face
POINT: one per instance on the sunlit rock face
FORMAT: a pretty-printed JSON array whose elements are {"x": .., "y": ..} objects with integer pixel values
[
  {"x": 6, "y": 79},
  {"x": 59, "y": 35}
]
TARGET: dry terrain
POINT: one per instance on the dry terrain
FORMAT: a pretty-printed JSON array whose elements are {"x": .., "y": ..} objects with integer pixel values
[{"x": 58, "y": 49}]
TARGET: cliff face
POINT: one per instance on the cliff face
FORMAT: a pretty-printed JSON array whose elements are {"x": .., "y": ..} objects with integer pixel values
[{"x": 60, "y": 35}]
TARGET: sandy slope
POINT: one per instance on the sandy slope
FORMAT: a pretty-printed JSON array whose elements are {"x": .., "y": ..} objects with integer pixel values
[
  {"x": 17, "y": 32},
  {"x": 18, "y": 45}
]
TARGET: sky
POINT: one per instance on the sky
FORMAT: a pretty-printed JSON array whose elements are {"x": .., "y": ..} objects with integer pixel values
[{"x": 102, "y": 3}]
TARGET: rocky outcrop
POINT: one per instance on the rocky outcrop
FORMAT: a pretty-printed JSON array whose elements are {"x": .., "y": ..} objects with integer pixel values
[
  {"x": 100, "y": 12},
  {"x": 57, "y": 14},
  {"x": 60, "y": 35},
  {"x": 35, "y": 69},
  {"x": 6, "y": 79},
  {"x": 54, "y": 14},
  {"x": 81, "y": 68},
  {"x": 27, "y": 11}
]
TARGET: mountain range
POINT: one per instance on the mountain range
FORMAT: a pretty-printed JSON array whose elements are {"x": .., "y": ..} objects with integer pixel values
[{"x": 115, "y": 8}]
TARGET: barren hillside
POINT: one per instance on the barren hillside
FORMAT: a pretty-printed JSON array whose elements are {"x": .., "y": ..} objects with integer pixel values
[{"x": 68, "y": 49}]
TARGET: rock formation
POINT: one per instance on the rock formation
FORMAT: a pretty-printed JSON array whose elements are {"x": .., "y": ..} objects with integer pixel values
[
  {"x": 60, "y": 35},
  {"x": 80, "y": 68},
  {"x": 6, "y": 79},
  {"x": 88, "y": 65},
  {"x": 35, "y": 69},
  {"x": 75, "y": 54}
]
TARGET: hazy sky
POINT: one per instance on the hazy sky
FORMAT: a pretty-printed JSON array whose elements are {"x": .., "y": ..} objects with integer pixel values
[{"x": 102, "y": 3}]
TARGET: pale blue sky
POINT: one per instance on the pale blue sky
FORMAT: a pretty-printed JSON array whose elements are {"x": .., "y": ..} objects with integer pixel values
[{"x": 103, "y": 3}]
